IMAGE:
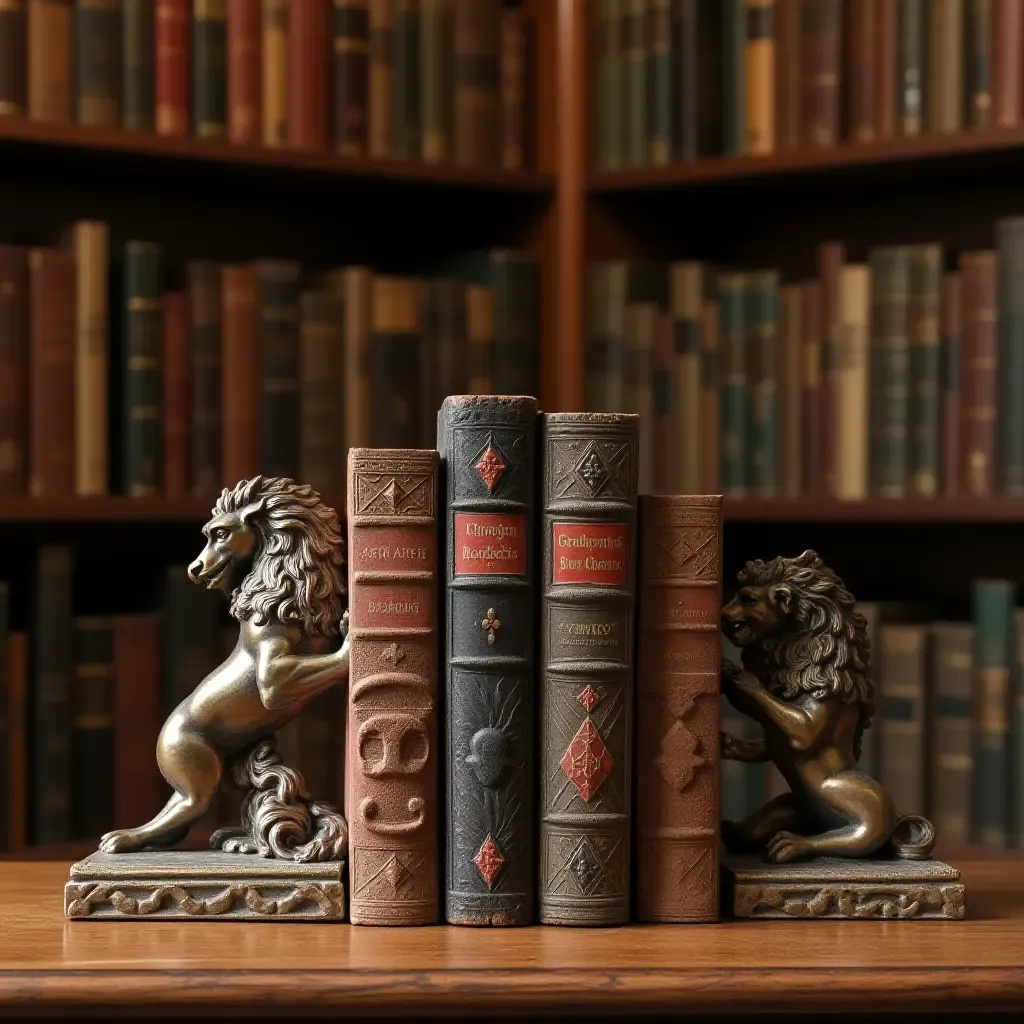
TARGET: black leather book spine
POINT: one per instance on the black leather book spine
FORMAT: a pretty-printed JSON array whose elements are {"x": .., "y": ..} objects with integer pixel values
[
  {"x": 487, "y": 449},
  {"x": 586, "y": 692},
  {"x": 279, "y": 367}
]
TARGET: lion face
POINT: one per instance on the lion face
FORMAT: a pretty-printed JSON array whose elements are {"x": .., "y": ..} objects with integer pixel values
[
  {"x": 228, "y": 555},
  {"x": 756, "y": 612}
]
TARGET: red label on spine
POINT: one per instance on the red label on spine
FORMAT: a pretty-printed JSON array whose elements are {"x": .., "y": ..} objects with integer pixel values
[
  {"x": 592, "y": 553},
  {"x": 392, "y": 606},
  {"x": 487, "y": 544}
]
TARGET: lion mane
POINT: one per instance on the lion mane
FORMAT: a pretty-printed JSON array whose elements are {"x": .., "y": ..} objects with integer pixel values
[
  {"x": 826, "y": 654},
  {"x": 296, "y": 575}
]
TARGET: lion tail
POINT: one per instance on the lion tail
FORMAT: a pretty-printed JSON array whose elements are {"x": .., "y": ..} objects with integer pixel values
[{"x": 913, "y": 837}]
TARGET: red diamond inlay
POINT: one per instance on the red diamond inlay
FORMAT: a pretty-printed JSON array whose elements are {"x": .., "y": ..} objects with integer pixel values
[
  {"x": 490, "y": 467},
  {"x": 589, "y": 698},
  {"x": 588, "y": 762},
  {"x": 489, "y": 861}
]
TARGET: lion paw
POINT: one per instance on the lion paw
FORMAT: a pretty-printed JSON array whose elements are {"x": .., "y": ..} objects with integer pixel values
[
  {"x": 727, "y": 746},
  {"x": 784, "y": 847},
  {"x": 343, "y": 628},
  {"x": 730, "y": 670},
  {"x": 123, "y": 840}
]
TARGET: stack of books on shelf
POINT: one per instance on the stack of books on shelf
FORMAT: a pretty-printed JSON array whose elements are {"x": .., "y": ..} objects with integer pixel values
[
  {"x": 432, "y": 80},
  {"x": 899, "y": 375},
  {"x": 117, "y": 385},
  {"x": 677, "y": 80}
]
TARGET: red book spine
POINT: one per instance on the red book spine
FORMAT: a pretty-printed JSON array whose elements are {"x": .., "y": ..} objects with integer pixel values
[
  {"x": 831, "y": 257},
  {"x": 664, "y": 343},
  {"x": 245, "y": 28},
  {"x": 951, "y": 332},
  {"x": 52, "y": 372},
  {"x": 241, "y": 379},
  {"x": 861, "y": 75},
  {"x": 787, "y": 74},
  {"x": 13, "y": 367},
  {"x": 886, "y": 65},
  {"x": 1007, "y": 20},
  {"x": 979, "y": 385},
  {"x": 176, "y": 395},
  {"x": 308, "y": 38},
  {"x": 173, "y": 20},
  {"x": 810, "y": 392},
  {"x": 820, "y": 32}
]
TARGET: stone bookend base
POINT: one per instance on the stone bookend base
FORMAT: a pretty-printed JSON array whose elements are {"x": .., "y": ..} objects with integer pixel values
[
  {"x": 203, "y": 885},
  {"x": 887, "y": 890}
]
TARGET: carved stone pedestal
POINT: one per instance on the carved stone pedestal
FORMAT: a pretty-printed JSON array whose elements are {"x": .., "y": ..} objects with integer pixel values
[
  {"x": 833, "y": 888},
  {"x": 206, "y": 884}
]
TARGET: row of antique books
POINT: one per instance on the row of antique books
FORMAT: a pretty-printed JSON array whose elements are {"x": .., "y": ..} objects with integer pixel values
[
  {"x": 434, "y": 80},
  {"x": 677, "y": 80},
  {"x": 118, "y": 385},
  {"x": 947, "y": 738},
  {"x": 898, "y": 375}
]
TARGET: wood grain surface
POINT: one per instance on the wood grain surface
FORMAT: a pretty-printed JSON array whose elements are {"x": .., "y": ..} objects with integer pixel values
[{"x": 49, "y": 965}]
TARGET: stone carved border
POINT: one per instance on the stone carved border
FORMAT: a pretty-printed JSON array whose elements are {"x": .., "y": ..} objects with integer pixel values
[{"x": 883, "y": 902}]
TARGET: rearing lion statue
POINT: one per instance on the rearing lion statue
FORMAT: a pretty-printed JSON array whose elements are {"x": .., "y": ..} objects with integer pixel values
[
  {"x": 273, "y": 548},
  {"x": 805, "y": 680}
]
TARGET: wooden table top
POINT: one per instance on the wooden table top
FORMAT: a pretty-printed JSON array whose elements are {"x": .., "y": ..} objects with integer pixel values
[{"x": 50, "y": 965}]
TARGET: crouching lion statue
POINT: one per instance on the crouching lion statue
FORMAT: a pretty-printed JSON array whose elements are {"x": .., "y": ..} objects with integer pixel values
[
  {"x": 805, "y": 681},
  {"x": 273, "y": 548}
]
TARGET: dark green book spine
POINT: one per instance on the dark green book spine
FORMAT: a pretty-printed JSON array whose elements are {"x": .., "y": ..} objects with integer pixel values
[
  {"x": 684, "y": 78},
  {"x": 92, "y": 740},
  {"x": 978, "y": 63},
  {"x": 143, "y": 369},
  {"x": 912, "y": 55},
  {"x": 279, "y": 367},
  {"x": 610, "y": 84},
  {"x": 436, "y": 67},
  {"x": 925, "y": 415},
  {"x": 992, "y": 604},
  {"x": 734, "y": 86},
  {"x": 762, "y": 318},
  {"x": 734, "y": 395},
  {"x": 1010, "y": 259},
  {"x": 634, "y": 109},
  {"x": 98, "y": 62},
  {"x": 206, "y": 322},
  {"x": 137, "y": 66},
  {"x": 890, "y": 372},
  {"x": 659, "y": 82},
  {"x": 209, "y": 69},
  {"x": 516, "y": 282},
  {"x": 407, "y": 78}
]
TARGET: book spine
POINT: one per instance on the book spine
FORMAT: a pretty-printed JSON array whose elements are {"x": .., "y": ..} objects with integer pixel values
[
  {"x": 351, "y": 75},
  {"x": 610, "y": 85},
  {"x": 18, "y": 729},
  {"x": 887, "y": 67},
  {"x": 733, "y": 394},
  {"x": 382, "y": 78},
  {"x": 14, "y": 368},
  {"x": 209, "y": 69},
  {"x": 138, "y": 53},
  {"x": 890, "y": 372},
  {"x": 992, "y": 604},
  {"x": 1007, "y": 23},
  {"x": 978, "y": 63},
  {"x": 820, "y": 43},
  {"x": 677, "y": 719},
  {"x": 515, "y": 278},
  {"x": 51, "y": 32},
  {"x": 515, "y": 68},
  {"x": 240, "y": 383},
  {"x": 51, "y": 373},
  {"x": 863, "y": 76},
  {"x": 641, "y": 318},
  {"x": 925, "y": 414},
  {"x": 636, "y": 126},
  {"x": 308, "y": 67},
  {"x": 172, "y": 65},
  {"x": 435, "y": 68},
  {"x": 391, "y": 797},
  {"x": 902, "y": 685},
  {"x": 206, "y": 321},
  {"x": 1010, "y": 263},
  {"x": 176, "y": 400},
  {"x": 945, "y": 89},
  {"x": 683, "y": 79},
  {"x": 91, "y": 242},
  {"x": 759, "y": 59},
  {"x": 762, "y": 331},
  {"x": 13, "y": 54},
  {"x": 243, "y": 74},
  {"x": 812, "y": 453},
  {"x": 787, "y": 74},
  {"x": 487, "y": 448},
  {"x": 912, "y": 55},
  {"x": 831, "y": 256},
  {"x": 92, "y": 733},
  {"x": 854, "y": 358},
  {"x": 394, "y": 387},
  {"x": 663, "y": 413},
  {"x": 733, "y": 69},
  {"x": 980, "y": 382},
  {"x": 686, "y": 290},
  {"x": 950, "y": 377},
  {"x": 357, "y": 287},
  {"x": 451, "y": 339},
  {"x": 428, "y": 400},
  {"x": 274, "y": 64},
  {"x": 406, "y": 112},
  {"x": 279, "y": 368},
  {"x": 790, "y": 390},
  {"x": 479, "y": 340},
  {"x": 189, "y": 643},
  {"x": 951, "y": 761},
  {"x": 322, "y": 457},
  {"x": 589, "y": 545},
  {"x": 659, "y": 96},
  {"x": 98, "y": 62}
]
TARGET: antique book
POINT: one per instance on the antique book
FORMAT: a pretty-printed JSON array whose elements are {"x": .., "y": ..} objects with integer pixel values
[
  {"x": 309, "y": 71},
  {"x": 1006, "y": 61},
  {"x": 351, "y": 75},
  {"x": 791, "y": 367},
  {"x": 477, "y": 122},
  {"x": 911, "y": 75},
  {"x": 479, "y": 340},
  {"x": 380, "y": 104},
  {"x": 243, "y": 75},
  {"x": 734, "y": 89},
  {"x": 514, "y": 277},
  {"x": 51, "y": 40},
  {"x": 831, "y": 257},
  {"x": 172, "y": 64},
  {"x": 209, "y": 69},
  {"x": 759, "y": 65},
  {"x": 487, "y": 450},
  {"x": 950, "y": 377},
  {"x": 138, "y": 55},
  {"x": 177, "y": 368},
  {"x": 812, "y": 456},
  {"x": 821, "y": 29},
  {"x": 98, "y": 62},
  {"x": 853, "y": 437},
  {"x": 887, "y": 31},
  {"x": 924, "y": 409},
  {"x": 391, "y": 799},
  {"x": 762, "y": 336},
  {"x": 406, "y": 54},
  {"x": 13, "y": 54},
  {"x": 733, "y": 391},
  {"x": 206, "y": 320},
  {"x": 516, "y": 52},
  {"x": 92, "y": 728},
  {"x": 861, "y": 50},
  {"x": 687, "y": 282},
  {"x": 240, "y": 376},
  {"x": 321, "y": 422},
  {"x": 979, "y": 388},
  {"x": 945, "y": 85},
  {"x": 274, "y": 70},
  {"x": 14, "y": 363},
  {"x": 788, "y": 82},
  {"x": 1010, "y": 317},
  {"x": 710, "y": 460},
  {"x": 978, "y": 63},
  {"x": 676, "y": 746},
  {"x": 608, "y": 28},
  {"x": 588, "y": 578},
  {"x": 394, "y": 362},
  {"x": 657, "y": 54}
]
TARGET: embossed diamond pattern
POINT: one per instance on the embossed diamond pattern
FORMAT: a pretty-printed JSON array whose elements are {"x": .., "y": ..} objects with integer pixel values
[
  {"x": 592, "y": 470},
  {"x": 489, "y": 861},
  {"x": 490, "y": 467},
  {"x": 396, "y": 872},
  {"x": 587, "y": 762},
  {"x": 584, "y": 867},
  {"x": 589, "y": 698}
]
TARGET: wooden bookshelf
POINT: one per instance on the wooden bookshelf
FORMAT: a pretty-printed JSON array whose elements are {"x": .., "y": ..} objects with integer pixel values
[{"x": 811, "y": 510}]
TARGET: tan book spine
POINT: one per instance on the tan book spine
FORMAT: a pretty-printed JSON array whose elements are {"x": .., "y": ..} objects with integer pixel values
[
  {"x": 50, "y": 40},
  {"x": 855, "y": 301},
  {"x": 480, "y": 339},
  {"x": 790, "y": 389},
  {"x": 382, "y": 77},
  {"x": 945, "y": 89},
  {"x": 710, "y": 463},
  {"x": 760, "y": 76},
  {"x": 275, "y": 72},
  {"x": 686, "y": 291}
]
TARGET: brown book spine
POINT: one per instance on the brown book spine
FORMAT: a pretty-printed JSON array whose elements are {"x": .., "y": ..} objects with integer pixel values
[
  {"x": 351, "y": 75},
  {"x": 241, "y": 380},
  {"x": 322, "y": 382},
  {"x": 206, "y": 328},
  {"x": 51, "y": 33},
  {"x": 811, "y": 473},
  {"x": 979, "y": 386},
  {"x": 886, "y": 67},
  {"x": 862, "y": 76},
  {"x": 308, "y": 56},
  {"x": 513, "y": 89},
  {"x": 14, "y": 354},
  {"x": 244, "y": 86},
  {"x": 52, "y": 373},
  {"x": 759, "y": 61},
  {"x": 820, "y": 32},
  {"x": 382, "y": 77},
  {"x": 662, "y": 394},
  {"x": 790, "y": 389},
  {"x": 477, "y": 59},
  {"x": 787, "y": 74},
  {"x": 831, "y": 257},
  {"x": 710, "y": 461},
  {"x": 950, "y": 374},
  {"x": 391, "y": 789},
  {"x": 17, "y": 741},
  {"x": 176, "y": 405},
  {"x": 138, "y": 785},
  {"x": 274, "y": 65},
  {"x": 945, "y": 87},
  {"x": 13, "y": 54},
  {"x": 173, "y": 19},
  {"x": 678, "y": 663},
  {"x": 1007, "y": 23}
]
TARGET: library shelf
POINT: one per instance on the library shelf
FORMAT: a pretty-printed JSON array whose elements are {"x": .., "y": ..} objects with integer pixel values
[
  {"x": 878, "y": 510},
  {"x": 23, "y": 509}
]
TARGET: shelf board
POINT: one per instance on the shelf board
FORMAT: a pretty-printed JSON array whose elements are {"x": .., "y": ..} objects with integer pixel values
[
  {"x": 23, "y": 132},
  {"x": 972, "y": 146},
  {"x": 959, "y": 510}
]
